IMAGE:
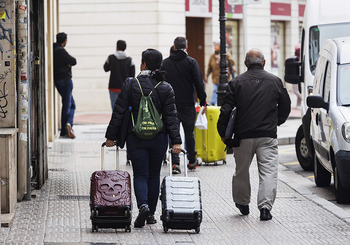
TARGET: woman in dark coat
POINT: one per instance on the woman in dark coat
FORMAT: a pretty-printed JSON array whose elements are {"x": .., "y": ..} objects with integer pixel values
[{"x": 147, "y": 155}]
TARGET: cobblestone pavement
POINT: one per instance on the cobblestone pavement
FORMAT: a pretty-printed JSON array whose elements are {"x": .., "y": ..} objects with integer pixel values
[{"x": 59, "y": 213}]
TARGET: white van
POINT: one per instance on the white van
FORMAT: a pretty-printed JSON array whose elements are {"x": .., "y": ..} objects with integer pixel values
[
  {"x": 330, "y": 117},
  {"x": 323, "y": 19}
]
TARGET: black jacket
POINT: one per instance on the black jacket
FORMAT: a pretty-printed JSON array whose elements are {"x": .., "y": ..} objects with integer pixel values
[
  {"x": 163, "y": 98},
  {"x": 262, "y": 104},
  {"x": 62, "y": 63},
  {"x": 120, "y": 70},
  {"x": 184, "y": 75}
]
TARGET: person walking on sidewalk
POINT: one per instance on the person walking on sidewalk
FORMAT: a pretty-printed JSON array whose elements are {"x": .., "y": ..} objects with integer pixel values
[
  {"x": 62, "y": 69},
  {"x": 262, "y": 104},
  {"x": 184, "y": 75},
  {"x": 214, "y": 69},
  {"x": 121, "y": 66},
  {"x": 147, "y": 155}
]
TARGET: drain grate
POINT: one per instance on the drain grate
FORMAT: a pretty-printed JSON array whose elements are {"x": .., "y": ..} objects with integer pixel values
[
  {"x": 58, "y": 169},
  {"x": 73, "y": 197}
]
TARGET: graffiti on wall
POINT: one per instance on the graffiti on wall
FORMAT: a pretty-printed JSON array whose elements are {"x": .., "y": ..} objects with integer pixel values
[{"x": 3, "y": 94}]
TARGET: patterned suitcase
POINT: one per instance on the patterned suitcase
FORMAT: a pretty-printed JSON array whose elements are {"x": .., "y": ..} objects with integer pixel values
[
  {"x": 181, "y": 201},
  {"x": 110, "y": 197}
]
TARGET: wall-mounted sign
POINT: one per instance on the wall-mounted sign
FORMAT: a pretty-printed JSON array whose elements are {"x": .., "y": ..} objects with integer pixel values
[{"x": 198, "y": 8}]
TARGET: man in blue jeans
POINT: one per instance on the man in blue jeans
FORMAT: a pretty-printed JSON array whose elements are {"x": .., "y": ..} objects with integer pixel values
[{"x": 62, "y": 68}]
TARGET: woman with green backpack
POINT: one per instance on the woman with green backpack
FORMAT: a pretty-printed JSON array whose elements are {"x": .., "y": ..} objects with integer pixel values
[{"x": 152, "y": 102}]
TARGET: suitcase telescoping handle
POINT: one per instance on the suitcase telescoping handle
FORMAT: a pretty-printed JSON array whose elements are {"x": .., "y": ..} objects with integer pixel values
[
  {"x": 103, "y": 156},
  {"x": 185, "y": 161}
]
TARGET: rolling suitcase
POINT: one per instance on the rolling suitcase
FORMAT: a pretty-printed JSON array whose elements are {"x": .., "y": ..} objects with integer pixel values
[
  {"x": 209, "y": 145},
  {"x": 181, "y": 201},
  {"x": 110, "y": 197}
]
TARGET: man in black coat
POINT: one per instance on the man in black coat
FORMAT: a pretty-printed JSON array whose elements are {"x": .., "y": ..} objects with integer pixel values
[
  {"x": 184, "y": 75},
  {"x": 262, "y": 104},
  {"x": 62, "y": 68},
  {"x": 121, "y": 66}
]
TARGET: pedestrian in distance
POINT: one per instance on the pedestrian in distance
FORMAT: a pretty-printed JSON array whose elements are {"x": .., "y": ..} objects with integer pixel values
[
  {"x": 147, "y": 155},
  {"x": 184, "y": 75},
  {"x": 62, "y": 69},
  {"x": 214, "y": 70},
  {"x": 262, "y": 104},
  {"x": 121, "y": 66}
]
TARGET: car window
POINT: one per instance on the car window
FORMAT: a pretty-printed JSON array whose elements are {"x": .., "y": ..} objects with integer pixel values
[
  {"x": 344, "y": 85},
  {"x": 319, "y": 75},
  {"x": 318, "y": 34},
  {"x": 327, "y": 82}
]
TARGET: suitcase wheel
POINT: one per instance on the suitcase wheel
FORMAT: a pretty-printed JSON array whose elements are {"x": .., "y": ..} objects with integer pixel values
[
  {"x": 94, "y": 228},
  {"x": 198, "y": 229},
  {"x": 128, "y": 228},
  {"x": 224, "y": 161},
  {"x": 128, "y": 162},
  {"x": 165, "y": 228}
]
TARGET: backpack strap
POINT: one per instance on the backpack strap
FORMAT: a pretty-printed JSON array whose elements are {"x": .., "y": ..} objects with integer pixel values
[{"x": 139, "y": 85}]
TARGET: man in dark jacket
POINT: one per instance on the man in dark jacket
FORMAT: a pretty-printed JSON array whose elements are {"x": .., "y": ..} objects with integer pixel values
[
  {"x": 62, "y": 68},
  {"x": 184, "y": 75},
  {"x": 121, "y": 66},
  {"x": 262, "y": 104}
]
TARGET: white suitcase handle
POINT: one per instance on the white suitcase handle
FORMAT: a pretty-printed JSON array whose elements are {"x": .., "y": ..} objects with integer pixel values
[
  {"x": 103, "y": 156},
  {"x": 185, "y": 161}
]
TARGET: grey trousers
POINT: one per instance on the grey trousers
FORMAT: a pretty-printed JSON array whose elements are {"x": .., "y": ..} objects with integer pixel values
[{"x": 266, "y": 151}]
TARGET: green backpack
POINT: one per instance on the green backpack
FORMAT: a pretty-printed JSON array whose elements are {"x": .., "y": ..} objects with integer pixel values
[{"x": 149, "y": 123}]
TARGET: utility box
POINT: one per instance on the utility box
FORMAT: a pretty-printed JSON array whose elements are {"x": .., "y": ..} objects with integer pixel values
[{"x": 8, "y": 173}]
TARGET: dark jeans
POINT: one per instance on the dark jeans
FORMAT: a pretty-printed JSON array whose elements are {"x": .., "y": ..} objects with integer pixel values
[
  {"x": 146, "y": 157},
  {"x": 65, "y": 88},
  {"x": 187, "y": 116}
]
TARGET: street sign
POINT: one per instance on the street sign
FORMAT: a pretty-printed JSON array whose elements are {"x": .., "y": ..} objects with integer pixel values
[{"x": 239, "y": 2}]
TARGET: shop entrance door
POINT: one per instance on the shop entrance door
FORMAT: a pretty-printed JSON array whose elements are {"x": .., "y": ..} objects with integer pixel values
[{"x": 195, "y": 38}]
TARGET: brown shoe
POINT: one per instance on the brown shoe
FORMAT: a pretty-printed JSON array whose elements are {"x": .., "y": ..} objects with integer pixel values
[{"x": 70, "y": 132}]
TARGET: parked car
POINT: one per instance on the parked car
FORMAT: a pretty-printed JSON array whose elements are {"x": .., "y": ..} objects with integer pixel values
[
  {"x": 323, "y": 19},
  {"x": 330, "y": 117}
]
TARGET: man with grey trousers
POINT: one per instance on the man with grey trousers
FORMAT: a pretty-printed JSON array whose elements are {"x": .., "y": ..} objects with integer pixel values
[{"x": 262, "y": 104}]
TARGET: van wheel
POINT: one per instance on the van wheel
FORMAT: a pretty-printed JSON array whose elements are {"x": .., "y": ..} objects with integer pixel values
[
  {"x": 322, "y": 176},
  {"x": 342, "y": 194},
  {"x": 303, "y": 153}
]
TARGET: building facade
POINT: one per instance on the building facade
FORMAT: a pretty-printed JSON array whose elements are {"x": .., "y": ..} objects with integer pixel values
[{"x": 93, "y": 29}]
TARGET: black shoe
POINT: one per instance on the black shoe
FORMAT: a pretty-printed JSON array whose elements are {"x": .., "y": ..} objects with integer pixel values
[
  {"x": 176, "y": 169},
  {"x": 265, "y": 214},
  {"x": 243, "y": 208},
  {"x": 151, "y": 220},
  {"x": 192, "y": 166},
  {"x": 143, "y": 215}
]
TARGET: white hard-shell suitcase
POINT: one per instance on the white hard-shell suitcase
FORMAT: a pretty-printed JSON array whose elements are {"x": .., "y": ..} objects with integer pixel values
[{"x": 181, "y": 201}]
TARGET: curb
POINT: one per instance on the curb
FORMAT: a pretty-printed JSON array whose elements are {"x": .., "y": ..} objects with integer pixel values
[{"x": 286, "y": 141}]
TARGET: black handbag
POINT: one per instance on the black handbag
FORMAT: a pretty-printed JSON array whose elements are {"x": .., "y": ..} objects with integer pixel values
[
  {"x": 124, "y": 129},
  {"x": 230, "y": 124}
]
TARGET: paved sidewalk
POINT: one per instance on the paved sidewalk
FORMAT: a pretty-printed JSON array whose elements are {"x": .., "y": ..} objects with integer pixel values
[{"x": 59, "y": 213}]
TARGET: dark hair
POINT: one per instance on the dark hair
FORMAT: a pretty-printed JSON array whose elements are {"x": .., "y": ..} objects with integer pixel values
[
  {"x": 172, "y": 49},
  {"x": 61, "y": 37},
  {"x": 153, "y": 59},
  {"x": 180, "y": 43},
  {"x": 121, "y": 45}
]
